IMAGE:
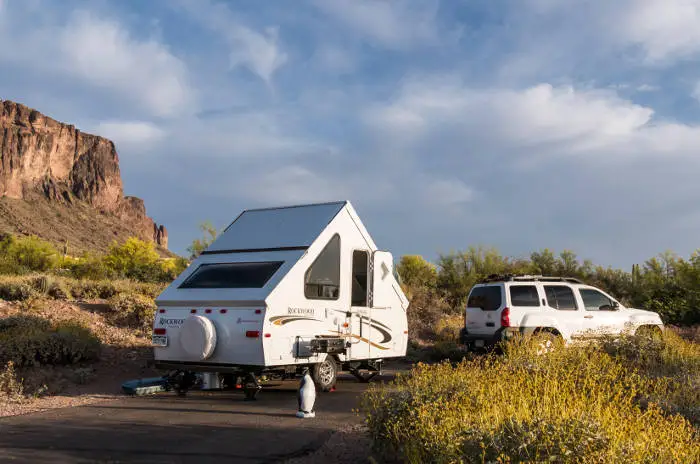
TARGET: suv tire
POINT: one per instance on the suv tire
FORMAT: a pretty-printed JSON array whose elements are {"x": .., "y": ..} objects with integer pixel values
[{"x": 546, "y": 342}]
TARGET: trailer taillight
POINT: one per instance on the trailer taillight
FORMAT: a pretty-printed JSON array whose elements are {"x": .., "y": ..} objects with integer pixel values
[
  {"x": 252, "y": 333},
  {"x": 223, "y": 311},
  {"x": 208, "y": 311},
  {"x": 505, "y": 317},
  {"x": 159, "y": 331},
  {"x": 268, "y": 335}
]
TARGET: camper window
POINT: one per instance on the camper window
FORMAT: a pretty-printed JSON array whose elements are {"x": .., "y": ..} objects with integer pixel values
[
  {"x": 360, "y": 260},
  {"x": 322, "y": 280},
  {"x": 232, "y": 275}
]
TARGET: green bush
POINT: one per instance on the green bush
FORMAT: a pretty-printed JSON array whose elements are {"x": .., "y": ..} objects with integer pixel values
[
  {"x": 578, "y": 404},
  {"x": 133, "y": 310},
  {"x": 31, "y": 341},
  {"x": 30, "y": 252}
]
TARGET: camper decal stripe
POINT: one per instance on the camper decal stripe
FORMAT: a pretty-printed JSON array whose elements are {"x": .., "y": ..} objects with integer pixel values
[
  {"x": 374, "y": 322},
  {"x": 363, "y": 339},
  {"x": 282, "y": 320}
]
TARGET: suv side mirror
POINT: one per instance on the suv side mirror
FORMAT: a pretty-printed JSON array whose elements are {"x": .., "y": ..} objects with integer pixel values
[{"x": 615, "y": 306}]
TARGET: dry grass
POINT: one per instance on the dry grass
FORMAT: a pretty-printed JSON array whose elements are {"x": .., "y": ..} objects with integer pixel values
[{"x": 603, "y": 403}]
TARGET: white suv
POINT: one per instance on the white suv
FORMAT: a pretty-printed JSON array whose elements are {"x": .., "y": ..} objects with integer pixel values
[{"x": 501, "y": 307}]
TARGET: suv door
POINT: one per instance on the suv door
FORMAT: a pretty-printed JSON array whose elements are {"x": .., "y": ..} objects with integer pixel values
[
  {"x": 562, "y": 299},
  {"x": 601, "y": 317}
]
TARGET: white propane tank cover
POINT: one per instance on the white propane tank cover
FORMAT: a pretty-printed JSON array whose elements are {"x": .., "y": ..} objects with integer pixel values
[{"x": 198, "y": 337}]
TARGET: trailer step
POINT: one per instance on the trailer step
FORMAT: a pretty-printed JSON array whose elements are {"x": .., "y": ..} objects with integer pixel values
[{"x": 148, "y": 386}]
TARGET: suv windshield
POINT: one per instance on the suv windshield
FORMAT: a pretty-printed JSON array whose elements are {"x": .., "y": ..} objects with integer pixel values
[{"x": 488, "y": 298}]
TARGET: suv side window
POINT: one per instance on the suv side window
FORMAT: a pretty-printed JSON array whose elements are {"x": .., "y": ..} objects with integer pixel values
[
  {"x": 593, "y": 300},
  {"x": 560, "y": 297},
  {"x": 524, "y": 295}
]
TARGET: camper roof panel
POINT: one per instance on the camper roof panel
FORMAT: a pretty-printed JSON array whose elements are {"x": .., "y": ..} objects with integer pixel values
[{"x": 276, "y": 228}]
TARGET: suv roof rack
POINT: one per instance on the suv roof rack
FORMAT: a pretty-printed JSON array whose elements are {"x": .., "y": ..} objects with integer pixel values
[{"x": 529, "y": 278}]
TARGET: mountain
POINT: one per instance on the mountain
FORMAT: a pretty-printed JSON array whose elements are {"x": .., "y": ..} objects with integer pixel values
[{"x": 64, "y": 185}]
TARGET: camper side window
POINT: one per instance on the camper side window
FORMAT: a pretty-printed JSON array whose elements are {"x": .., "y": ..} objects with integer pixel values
[
  {"x": 360, "y": 260},
  {"x": 322, "y": 280}
]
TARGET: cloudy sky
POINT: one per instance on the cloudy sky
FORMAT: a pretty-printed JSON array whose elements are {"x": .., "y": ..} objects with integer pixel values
[{"x": 519, "y": 124}]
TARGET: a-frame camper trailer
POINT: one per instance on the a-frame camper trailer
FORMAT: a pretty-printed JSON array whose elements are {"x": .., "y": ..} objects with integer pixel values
[{"x": 279, "y": 290}]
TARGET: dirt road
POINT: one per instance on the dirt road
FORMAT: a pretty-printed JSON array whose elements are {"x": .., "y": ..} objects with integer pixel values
[{"x": 202, "y": 427}]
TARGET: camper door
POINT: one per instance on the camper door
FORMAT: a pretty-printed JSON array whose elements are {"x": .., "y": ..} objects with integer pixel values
[
  {"x": 382, "y": 271},
  {"x": 360, "y": 314}
]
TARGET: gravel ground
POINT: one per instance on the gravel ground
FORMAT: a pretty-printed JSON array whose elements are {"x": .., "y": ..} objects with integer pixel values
[{"x": 348, "y": 445}]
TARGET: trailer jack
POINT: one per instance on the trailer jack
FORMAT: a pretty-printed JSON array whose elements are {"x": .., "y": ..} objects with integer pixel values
[{"x": 251, "y": 387}]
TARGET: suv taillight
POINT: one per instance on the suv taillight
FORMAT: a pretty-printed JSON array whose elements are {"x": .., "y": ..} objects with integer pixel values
[{"x": 505, "y": 317}]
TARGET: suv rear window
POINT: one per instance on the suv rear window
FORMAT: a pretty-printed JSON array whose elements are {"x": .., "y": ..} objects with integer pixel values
[
  {"x": 232, "y": 275},
  {"x": 488, "y": 297},
  {"x": 524, "y": 295}
]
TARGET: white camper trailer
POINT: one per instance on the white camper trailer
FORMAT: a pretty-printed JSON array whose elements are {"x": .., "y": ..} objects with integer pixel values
[{"x": 279, "y": 290}]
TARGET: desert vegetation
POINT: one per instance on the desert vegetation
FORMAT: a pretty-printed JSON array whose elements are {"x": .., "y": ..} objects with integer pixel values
[{"x": 629, "y": 400}]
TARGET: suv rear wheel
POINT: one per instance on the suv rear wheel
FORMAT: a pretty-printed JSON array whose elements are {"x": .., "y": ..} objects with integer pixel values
[
  {"x": 325, "y": 374},
  {"x": 546, "y": 342}
]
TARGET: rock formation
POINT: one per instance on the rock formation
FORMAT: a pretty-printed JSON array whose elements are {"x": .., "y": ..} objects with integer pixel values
[{"x": 41, "y": 155}]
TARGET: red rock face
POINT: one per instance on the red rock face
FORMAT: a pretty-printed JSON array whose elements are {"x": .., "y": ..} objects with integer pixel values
[{"x": 38, "y": 153}]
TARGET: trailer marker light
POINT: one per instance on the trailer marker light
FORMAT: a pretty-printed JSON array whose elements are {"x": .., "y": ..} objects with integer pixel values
[
  {"x": 267, "y": 335},
  {"x": 223, "y": 311},
  {"x": 159, "y": 331},
  {"x": 193, "y": 311},
  {"x": 161, "y": 311},
  {"x": 252, "y": 333},
  {"x": 258, "y": 311},
  {"x": 207, "y": 311}
]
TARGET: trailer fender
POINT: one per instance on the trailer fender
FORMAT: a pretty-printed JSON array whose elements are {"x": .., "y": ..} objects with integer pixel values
[{"x": 198, "y": 337}]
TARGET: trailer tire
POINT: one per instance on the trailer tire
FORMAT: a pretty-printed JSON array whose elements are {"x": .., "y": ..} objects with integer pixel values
[{"x": 325, "y": 374}]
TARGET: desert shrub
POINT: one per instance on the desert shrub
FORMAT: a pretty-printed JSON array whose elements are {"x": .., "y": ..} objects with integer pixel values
[
  {"x": 31, "y": 341},
  {"x": 578, "y": 404},
  {"x": 93, "y": 289},
  {"x": 135, "y": 259},
  {"x": 10, "y": 385},
  {"x": 132, "y": 310},
  {"x": 16, "y": 288},
  {"x": 90, "y": 267}
]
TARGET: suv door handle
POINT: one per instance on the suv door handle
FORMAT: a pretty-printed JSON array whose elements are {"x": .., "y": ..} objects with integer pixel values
[{"x": 588, "y": 317}]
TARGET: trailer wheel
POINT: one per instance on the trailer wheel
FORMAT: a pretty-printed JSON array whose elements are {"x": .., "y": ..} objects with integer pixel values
[{"x": 325, "y": 374}]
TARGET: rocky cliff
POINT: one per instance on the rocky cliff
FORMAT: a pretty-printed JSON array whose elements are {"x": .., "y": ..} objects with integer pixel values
[{"x": 42, "y": 159}]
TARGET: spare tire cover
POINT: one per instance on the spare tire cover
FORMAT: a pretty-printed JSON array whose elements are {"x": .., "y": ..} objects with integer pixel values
[{"x": 198, "y": 337}]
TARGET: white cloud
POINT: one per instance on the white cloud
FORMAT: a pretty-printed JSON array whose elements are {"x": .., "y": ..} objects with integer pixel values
[
  {"x": 558, "y": 119},
  {"x": 98, "y": 52},
  {"x": 260, "y": 52},
  {"x": 129, "y": 132},
  {"x": 291, "y": 184},
  {"x": 392, "y": 24},
  {"x": 696, "y": 91},
  {"x": 665, "y": 29},
  {"x": 102, "y": 52}
]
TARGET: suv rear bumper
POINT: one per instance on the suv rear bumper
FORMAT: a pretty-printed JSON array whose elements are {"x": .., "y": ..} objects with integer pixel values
[{"x": 502, "y": 334}]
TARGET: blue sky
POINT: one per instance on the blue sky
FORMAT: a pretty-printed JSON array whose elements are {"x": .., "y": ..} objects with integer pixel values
[{"x": 516, "y": 124}]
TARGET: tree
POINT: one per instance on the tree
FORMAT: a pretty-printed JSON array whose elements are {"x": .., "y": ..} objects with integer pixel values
[
  {"x": 417, "y": 272},
  {"x": 199, "y": 245}
]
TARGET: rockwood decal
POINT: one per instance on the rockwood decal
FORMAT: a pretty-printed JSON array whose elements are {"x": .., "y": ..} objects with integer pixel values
[
  {"x": 165, "y": 321},
  {"x": 301, "y": 311}
]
